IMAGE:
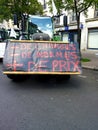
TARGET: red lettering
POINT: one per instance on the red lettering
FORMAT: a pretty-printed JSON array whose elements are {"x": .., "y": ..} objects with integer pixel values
[
  {"x": 14, "y": 55},
  {"x": 29, "y": 46},
  {"x": 67, "y": 47},
  {"x": 51, "y": 45},
  {"x": 45, "y": 54},
  {"x": 39, "y": 54},
  {"x": 35, "y": 46},
  {"x": 23, "y": 55},
  {"x": 62, "y": 46},
  {"x": 73, "y": 47},
  {"x": 76, "y": 66},
  {"x": 39, "y": 66},
  {"x": 14, "y": 47},
  {"x": 62, "y": 65},
  {"x": 51, "y": 54},
  {"x": 74, "y": 55},
  {"x": 67, "y": 55},
  {"x": 26, "y": 46},
  {"x": 23, "y": 46},
  {"x": 54, "y": 65},
  {"x": 68, "y": 66},
  {"x": 26, "y": 54},
  {"x": 42, "y": 66},
  {"x": 29, "y": 54},
  {"x": 42, "y": 54},
  {"x": 54, "y": 45},
  {"x": 45, "y": 46},
  {"x": 31, "y": 63},
  {"x": 14, "y": 65},
  {"x": 59, "y": 54}
]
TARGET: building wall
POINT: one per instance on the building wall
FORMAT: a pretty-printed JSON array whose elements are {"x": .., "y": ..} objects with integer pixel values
[
  {"x": 46, "y": 9},
  {"x": 88, "y": 23}
]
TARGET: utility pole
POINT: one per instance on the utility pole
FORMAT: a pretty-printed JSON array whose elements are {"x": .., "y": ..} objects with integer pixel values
[{"x": 44, "y": 4}]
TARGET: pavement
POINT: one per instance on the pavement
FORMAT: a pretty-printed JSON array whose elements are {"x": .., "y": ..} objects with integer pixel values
[{"x": 93, "y": 56}]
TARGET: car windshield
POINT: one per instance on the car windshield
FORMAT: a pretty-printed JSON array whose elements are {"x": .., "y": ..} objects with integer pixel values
[{"x": 42, "y": 24}]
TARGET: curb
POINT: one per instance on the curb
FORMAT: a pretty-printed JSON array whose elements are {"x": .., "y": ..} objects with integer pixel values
[{"x": 90, "y": 67}]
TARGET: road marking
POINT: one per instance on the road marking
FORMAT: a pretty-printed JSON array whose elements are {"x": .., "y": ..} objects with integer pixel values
[{"x": 82, "y": 76}]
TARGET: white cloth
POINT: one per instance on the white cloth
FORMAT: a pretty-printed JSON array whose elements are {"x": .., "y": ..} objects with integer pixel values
[
  {"x": 54, "y": 10},
  {"x": 13, "y": 33}
]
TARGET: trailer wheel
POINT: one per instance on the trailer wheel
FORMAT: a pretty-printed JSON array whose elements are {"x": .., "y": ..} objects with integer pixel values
[
  {"x": 61, "y": 78},
  {"x": 67, "y": 77},
  {"x": 17, "y": 78}
]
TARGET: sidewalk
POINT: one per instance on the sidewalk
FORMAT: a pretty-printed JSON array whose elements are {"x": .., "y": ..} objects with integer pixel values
[{"x": 93, "y": 56}]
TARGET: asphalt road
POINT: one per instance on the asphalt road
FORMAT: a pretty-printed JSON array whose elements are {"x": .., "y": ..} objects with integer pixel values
[{"x": 51, "y": 105}]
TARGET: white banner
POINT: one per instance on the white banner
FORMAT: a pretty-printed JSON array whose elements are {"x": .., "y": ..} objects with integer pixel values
[{"x": 54, "y": 10}]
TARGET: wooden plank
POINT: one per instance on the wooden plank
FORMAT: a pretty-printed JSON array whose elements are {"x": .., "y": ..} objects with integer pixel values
[
  {"x": 57, "y": 73},
  {"x": 35, "y": 41}
]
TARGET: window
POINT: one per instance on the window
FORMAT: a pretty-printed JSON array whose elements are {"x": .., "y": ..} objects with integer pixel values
[
  {"x": 57, "y": 21},
  {"x": 93, "y": 38},
  {"x": 65, "y": 37},
  {"x": 73, "y": 17},
  {"x": 96, "y": 10}
]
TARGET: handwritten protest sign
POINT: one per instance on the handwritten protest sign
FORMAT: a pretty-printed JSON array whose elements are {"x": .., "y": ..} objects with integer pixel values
[{"x": 42, "y": 57}]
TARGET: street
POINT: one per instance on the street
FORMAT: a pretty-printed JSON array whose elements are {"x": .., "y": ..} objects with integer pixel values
[{"x": 36, "y": 105}]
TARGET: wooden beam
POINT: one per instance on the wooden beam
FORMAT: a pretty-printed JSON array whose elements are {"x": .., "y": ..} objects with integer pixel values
[{"x": 57, "y": 73}]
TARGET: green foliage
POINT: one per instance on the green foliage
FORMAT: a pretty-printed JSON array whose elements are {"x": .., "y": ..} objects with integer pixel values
[
  {"x": 10, "y": 7},
  {"x": 4, "y": 10},
  {"x": 59, "y": 5},
  {"x": 81, "y": 5},
  {"x": 76, "y": 6},
  {"x": 85, "y": 60}
]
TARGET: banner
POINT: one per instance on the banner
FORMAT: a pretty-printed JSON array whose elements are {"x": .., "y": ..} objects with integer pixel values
[
  {"x": 54, "y": 10},
  {"x": 41, "y": 57}
]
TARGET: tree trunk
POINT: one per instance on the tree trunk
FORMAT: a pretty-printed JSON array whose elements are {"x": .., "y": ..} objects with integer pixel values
[
  {"x": 79, "y": 31},
  {"x": 78, "y": 24}
]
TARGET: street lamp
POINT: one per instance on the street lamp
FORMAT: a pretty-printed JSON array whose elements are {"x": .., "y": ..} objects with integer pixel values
[{"x": 44, "y": 4}]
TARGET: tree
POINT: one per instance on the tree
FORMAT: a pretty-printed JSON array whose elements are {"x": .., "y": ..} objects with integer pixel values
[
  {"x": 4, "y": 10},
  {"x": 59, "y": 5},
  {"x": 79, "y": 6},
  {"x": 10, "y": 7}
]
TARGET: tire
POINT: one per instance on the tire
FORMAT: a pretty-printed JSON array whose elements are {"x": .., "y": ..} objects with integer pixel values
[
  {"x": 42, "y": 78},
  {"x": 17, "y": 78},
  {"x": 67, "y": 77},
  {"x": 61, "y": 78}
]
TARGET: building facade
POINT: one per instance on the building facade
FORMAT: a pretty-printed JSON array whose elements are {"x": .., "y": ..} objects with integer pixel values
[{"x": 88, "y": 25}]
